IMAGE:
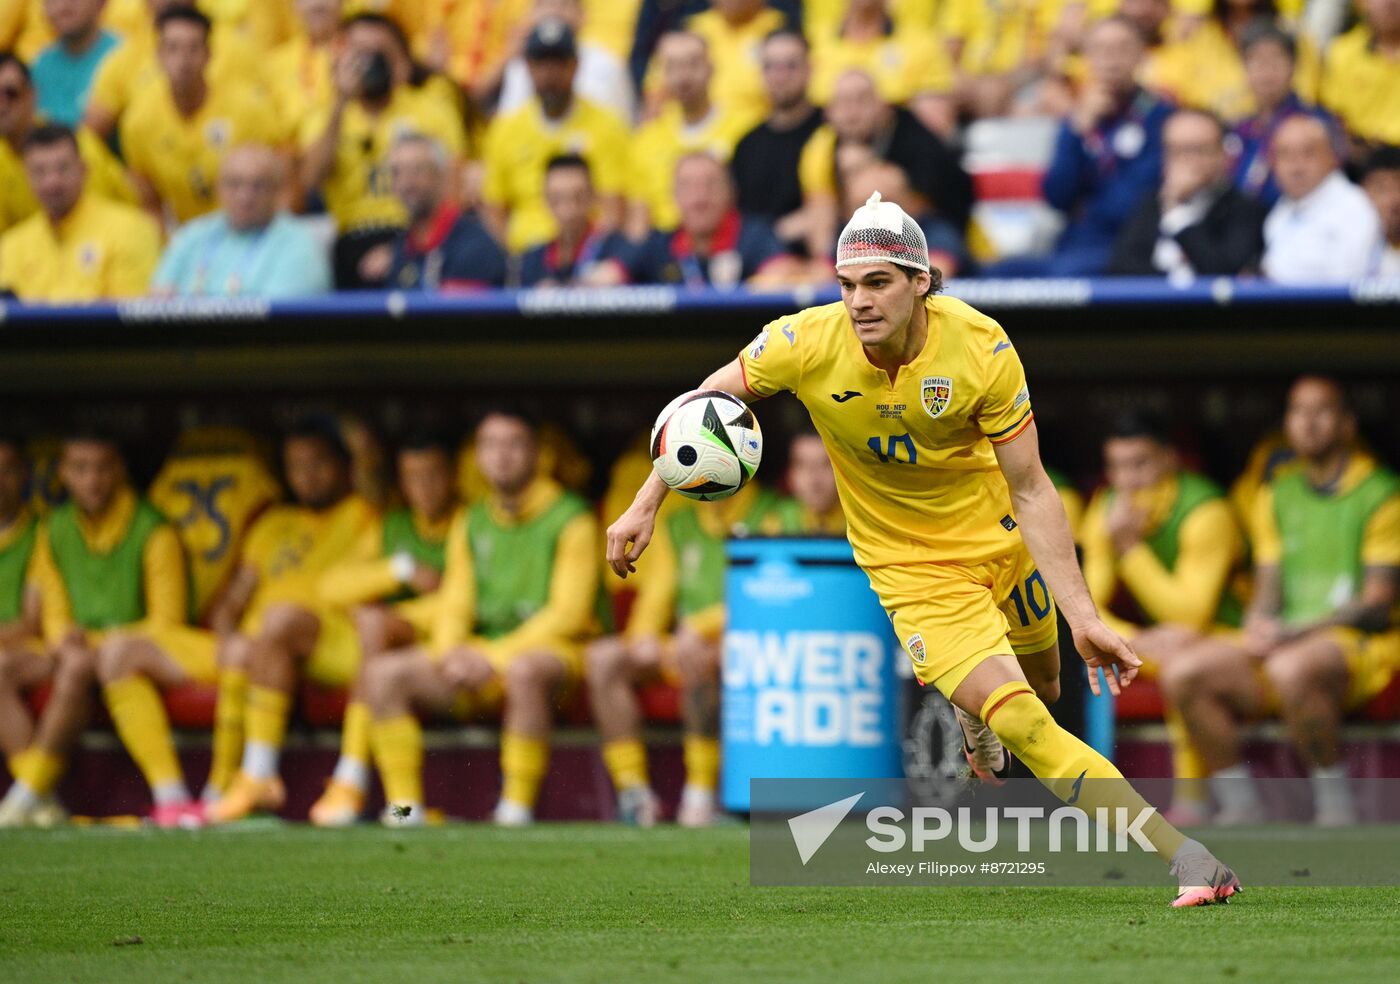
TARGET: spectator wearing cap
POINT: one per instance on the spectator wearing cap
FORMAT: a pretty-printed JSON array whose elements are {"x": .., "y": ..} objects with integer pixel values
[
  {"x": 1381, "y": 181},
  {"x": 520, "y": 144},
  {"x": 601, "y": 76},
  {"x": 689, "y": 121},
  {"x": 862, "y": 127},
  {"x": 581, "y": 254},
  {"x": 247, "y": 248},
  {"x": 445, "y": 247},
  {"x": 1361, "y": 74},
  {"x": 765, "y": 161},
  {"x": 345, "y": 145},
  {"x": 714, "y": 245},
  {"x": 105, "y": 175},
  {"x": 1108, "y": 156},
  {"x": 1323, "y": 229},
  {"x": 1270, "y": 57},
  {"x": 1197, "y": 223},
  {"x": 64, "y": 70},
  {"x": 79, "y": 247}
]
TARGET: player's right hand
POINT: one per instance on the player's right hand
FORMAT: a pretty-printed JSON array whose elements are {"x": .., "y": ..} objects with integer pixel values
[
  {"x": 1102, "y": 648},
  {"x": 634, "y": 528}
]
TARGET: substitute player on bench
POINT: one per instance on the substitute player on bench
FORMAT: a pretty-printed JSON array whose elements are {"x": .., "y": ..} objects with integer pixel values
[{"x": 938, "y": 464}]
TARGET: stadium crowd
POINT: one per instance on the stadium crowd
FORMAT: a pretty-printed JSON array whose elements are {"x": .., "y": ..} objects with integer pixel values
[
  {"x": 470, "y": 588},
  {"x": 270, "y": 148}
]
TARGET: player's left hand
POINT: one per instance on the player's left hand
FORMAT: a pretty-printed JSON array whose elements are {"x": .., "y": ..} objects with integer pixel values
[{"x": 1102, "y": 648}]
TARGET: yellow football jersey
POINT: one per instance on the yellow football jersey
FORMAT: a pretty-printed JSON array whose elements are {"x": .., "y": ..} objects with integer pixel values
[
  {"x": 180, "y": 157},
  {"x": 299, "y": 75},
  {"x": 917, "y": 476},
  {"x": 1362, "y": 86},
  {"x": 518, "y": 147},
  {"x": 211, "y": 498},
  {"x": 611, "y": 24},
  {"x": 902, "y": 65},
  {"x": 290, "y": 547},
  {"x": 132, "y": 68},
  {"x": 101, "y": 250},
  {"x": 265, "y": 23},
  {"x": 662, "y": 142},
  {"x": 106, "y": 179},
  {"x": 357, "y": 190}
]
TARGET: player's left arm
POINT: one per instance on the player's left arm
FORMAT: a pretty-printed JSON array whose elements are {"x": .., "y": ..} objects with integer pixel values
[
  {"x": 163, "y": 568},
  {"x": 1045, "y": 529}
]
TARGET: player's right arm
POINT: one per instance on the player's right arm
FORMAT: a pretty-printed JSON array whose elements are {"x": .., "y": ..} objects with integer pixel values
[
  {"x": 630, "y": 534},
  {"x": 227, "y": 612}
]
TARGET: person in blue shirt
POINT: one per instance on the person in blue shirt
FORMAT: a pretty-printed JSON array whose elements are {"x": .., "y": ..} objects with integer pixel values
[
  {"x": 582, "y": 254},
  {"x": 63, "y": 71},
  {"x": 1108, "y": 156},
  {"x": 1270, "y": 55},
  {"x": 247, "y": 248},
  {"x": 714, "y": 245},
  {"x": 445, "y": 247}
]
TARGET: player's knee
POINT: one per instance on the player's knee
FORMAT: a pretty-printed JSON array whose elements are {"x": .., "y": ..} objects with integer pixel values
[
  {"x": 372, "y": 624},
  {"x": 9, "y": 668},
  {"x": 283, "y": 623},
  {"x": 77, "y": 667},
  {"x": 605, "y": 659},
  {"x": 384, "y": 683},
  {"x": 1047, "y": 689},
  {"x": 235, "y": 652},
  {"x": 697, "y": 660},
  {"x": 530, "y": 674},
  {"x": 1184, "y": 676},
  {"x": 118, "y": 657}
]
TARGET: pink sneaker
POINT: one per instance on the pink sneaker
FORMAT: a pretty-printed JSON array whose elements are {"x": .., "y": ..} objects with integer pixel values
[
  {"x": 1203, "y": 881},
  {"x": 184, "y": 815}
]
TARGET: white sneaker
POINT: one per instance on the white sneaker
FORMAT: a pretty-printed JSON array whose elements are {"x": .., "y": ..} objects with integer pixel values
[
  {"x": 508, "y": 814},
  {"x": 984, "y": 750},
  {"x": 48, "y": 812},
  {"x": 697, "y": 808},
  {"x": 1341, "y": 813},
  {"x": 1242, "y": 815},
  {"x": 18, "y": 806},
  {"x": 638, "y": 806}
]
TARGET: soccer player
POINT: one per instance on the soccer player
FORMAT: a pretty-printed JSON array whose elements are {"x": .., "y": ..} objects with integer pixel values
[
  {"x": 275, "y": 623},
  {"x": 1160, "y": 545},
  {"x": 1320, "y": 634},
  {"x": 113, "y": 594},
  {"x": 24, "y": 661},
  {"x": 937, "y": 460},
  {"x": 517, "y": 600},
  {"x": 392, "y": 602},
  {"x": 177, "y": 132}
]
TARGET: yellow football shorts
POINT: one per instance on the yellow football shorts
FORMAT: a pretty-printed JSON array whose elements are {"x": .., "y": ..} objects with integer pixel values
[
  {"x": 195, "y": 650},
  {"x": 950, "y": 617},
  {"x": 335, "y": 660}
]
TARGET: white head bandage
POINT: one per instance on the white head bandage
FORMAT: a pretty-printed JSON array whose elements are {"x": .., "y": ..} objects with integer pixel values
[{"x": 882, "y": 232}]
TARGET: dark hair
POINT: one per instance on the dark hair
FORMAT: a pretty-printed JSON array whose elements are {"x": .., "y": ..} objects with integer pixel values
[
  {"x": 1262, "y": 30},
  {"x": 49, "y": 134},
  {"x": 95, "y": 434},
  {"x": 560, "y": 162},
  {"x": 184, "y": 13},
  {"x": 384, "y": 21},
  {"x": 429, "y": 440},
  {"x": 935, "y": 277},
  {"x": 13, "y": 441},
  {"x": 324, "y": 428},
  {"x": 1124, "y": 21},
  {"x": 1265, "y": 9},
  {"x": 1140, "y": 423},
  {"x": 513, "y": 412},
  {"x": 10, "y": 58},
  {"x": 788, "y": 32},
  {"x": 1383, "y": 158}
]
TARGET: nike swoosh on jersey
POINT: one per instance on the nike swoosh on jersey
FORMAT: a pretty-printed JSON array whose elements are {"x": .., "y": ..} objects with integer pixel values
[
  {"x": 1000, "y": 346},
  {"x": 848, "y": 395}
]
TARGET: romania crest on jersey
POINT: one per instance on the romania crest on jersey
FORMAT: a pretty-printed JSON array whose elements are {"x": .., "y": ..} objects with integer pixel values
[{"x": 937, "y": 393}]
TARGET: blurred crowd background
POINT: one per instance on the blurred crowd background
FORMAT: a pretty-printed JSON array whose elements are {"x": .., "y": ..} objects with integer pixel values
[{"x": 283, "y": 148}]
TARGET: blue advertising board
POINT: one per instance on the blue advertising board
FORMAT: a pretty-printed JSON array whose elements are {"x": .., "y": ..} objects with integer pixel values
[{"x": 812, "y": 673}]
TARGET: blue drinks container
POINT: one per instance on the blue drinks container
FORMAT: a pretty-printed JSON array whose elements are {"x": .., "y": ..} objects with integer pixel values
[{"x": 812, "y": 673}]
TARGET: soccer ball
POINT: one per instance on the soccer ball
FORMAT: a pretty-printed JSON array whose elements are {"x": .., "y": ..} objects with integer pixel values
[{"x": 706, "y": 444}]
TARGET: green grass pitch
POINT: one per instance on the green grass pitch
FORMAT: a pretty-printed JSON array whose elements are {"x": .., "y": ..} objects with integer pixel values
[{"x": 582, "y": 902}]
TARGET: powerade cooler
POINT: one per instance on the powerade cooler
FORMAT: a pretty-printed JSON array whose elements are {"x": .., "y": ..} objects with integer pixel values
[{"x": 812, "y": 672}]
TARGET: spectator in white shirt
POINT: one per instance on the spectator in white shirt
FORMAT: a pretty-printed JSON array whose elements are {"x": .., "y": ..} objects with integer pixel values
[
  {"x": 601, "y": 78},
  {"x": 1324, "y": 229},
  {"x": 1382, "y": 183}
]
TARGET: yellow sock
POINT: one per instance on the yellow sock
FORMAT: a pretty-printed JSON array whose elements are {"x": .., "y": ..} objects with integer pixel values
[
  {"x": 701, "y": 762},
  {"x": 1187, "y": 767},
  {"x": 354, "y": 732},
  {"x": 1061, "y": 761},
  {"x": 37, "y": 768},
  {"x": 139, "y": 716},
  {"x": 397, "y": 744},
  {"x": 523, "y": 764},
  {"x": 228, "y": 727},
  {"x": 626, "y": 759},
  {"x": 266, "y": 715}
]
